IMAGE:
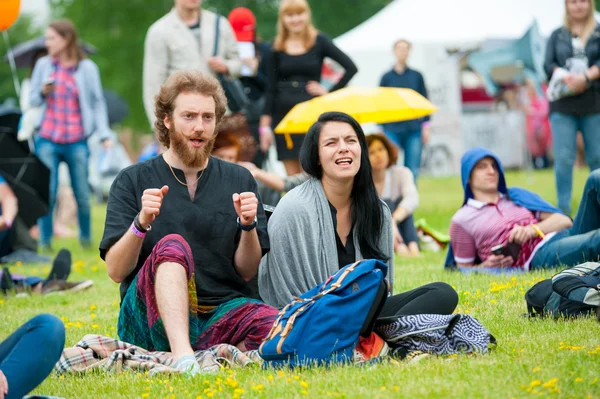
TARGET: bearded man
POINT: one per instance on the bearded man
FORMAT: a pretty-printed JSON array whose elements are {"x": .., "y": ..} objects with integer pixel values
[{"x": 184, "y": 234}]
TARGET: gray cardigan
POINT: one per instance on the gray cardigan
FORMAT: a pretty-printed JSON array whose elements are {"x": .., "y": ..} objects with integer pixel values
[
  {"x": 303, "y": 246},
  {"x": 91, "y": 98}
]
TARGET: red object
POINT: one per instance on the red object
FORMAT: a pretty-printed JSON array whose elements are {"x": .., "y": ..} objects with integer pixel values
[{"x": 243, "y": 22}]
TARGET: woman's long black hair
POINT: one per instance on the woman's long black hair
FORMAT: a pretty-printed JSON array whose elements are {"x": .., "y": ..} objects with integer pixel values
[{"x": 367, "y": 209}]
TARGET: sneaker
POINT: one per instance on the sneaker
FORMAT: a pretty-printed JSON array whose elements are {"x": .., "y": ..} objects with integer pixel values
[
  {"x": 416, "y": 356},
  {"x": 6, "y": 283},
  {"x": 187, "y": 364},
  {"x": 61, "y": 267},
  {"x": 369, "y": 348},
  {"x": 53, "y": 286}
]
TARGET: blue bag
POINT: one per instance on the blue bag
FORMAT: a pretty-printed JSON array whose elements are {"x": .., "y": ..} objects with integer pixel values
[{"x": 323, "y": 325}]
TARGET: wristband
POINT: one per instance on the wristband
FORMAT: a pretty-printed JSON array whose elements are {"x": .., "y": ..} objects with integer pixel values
[
  {"x": 136, "y": 231},
  {"x": 264, "y": 130},
  {"x": 426, "y": 124},
  {"x": 538, "y": 231},
  {"x": 247, "y": 228},
  {"x": 138, "y": 225},
  {"x": 8, "y": 223}
]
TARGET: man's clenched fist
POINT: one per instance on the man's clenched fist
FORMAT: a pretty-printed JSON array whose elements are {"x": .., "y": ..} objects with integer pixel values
[
  {"x": 151, "y": 202},
  {"x": 246, "y": 205}
]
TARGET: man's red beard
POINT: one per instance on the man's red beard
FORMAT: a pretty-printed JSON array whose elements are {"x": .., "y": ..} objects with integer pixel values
[{"x": 191, "y": 157}]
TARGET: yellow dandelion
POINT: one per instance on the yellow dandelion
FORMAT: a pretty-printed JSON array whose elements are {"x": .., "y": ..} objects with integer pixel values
[
  {"x": 281, "y": 373},
  {"x": 239, "y": 391},
  {"x": 93, "y": 307},
  {"x": 535, "y": 370},
  {"x": 535, "y": 383},
  {"x": 304, "y": 384},
  {"x": 94, "y": 325},
  {"x": 93, "y": 316},
  {"x": 578, "y": 379},
  {"x": 258, "y": 387},
  {"x": 383, "y": 388},
  {"x": 595, "y": 380},
  {"x": 296, "y": 377},
  {"x": 270, "y": 378},
  {"x": 303, "y": 392},
  {"x": 551, "y": 383},
  {"x": 145, "y": 395},
  {"x": 62, "y": 377},
  {"x": 396, "y": 388}
]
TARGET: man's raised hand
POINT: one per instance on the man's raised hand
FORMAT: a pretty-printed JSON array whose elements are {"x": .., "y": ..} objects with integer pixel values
[
  {"x": 246, "y": 206},
  {"x": 152, "y": 199}
]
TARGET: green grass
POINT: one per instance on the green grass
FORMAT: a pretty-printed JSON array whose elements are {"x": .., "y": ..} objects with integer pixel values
[{"x": 546, "y": 358}]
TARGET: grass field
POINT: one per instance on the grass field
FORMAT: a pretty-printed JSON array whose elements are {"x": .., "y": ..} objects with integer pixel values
[{"x": 534, "y": 358}]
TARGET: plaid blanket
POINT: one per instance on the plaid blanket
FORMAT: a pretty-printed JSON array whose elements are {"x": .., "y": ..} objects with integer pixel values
[{"x": 96, "y": 352}]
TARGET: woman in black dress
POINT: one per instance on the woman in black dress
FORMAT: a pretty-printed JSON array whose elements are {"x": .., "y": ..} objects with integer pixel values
[{"x": 294, "y": 73}]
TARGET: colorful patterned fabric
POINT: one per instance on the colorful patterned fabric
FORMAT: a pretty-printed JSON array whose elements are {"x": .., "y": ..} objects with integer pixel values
[
  {"x": 109, "y": 354},
  {"x": 239, "y": 320},
  {"x": 62, "y": 122}
]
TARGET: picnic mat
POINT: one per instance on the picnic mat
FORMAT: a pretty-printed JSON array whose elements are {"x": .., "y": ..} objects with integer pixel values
[{"x": 96, "y": 352}]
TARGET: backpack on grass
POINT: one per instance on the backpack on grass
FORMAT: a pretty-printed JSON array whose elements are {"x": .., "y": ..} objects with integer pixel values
[
  {"x": 323, "y": 325},
  {"x": 573, "y": 292}
]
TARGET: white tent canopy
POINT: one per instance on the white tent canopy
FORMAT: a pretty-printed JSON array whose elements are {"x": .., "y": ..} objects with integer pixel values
[{"x": 433, "y": 25}]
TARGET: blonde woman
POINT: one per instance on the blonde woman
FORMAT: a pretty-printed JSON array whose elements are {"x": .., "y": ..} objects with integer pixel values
[
  {"x": 294, "y": 73},
  {"x": 574, "y": 52}
]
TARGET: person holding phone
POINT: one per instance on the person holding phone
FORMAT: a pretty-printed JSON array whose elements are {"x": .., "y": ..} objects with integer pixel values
[
  {"x": 67, "y": 87},
  {"x": 502, "y": 227}
]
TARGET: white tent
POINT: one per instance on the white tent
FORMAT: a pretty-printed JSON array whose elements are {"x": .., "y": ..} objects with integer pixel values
[{"x": 435, "y": 25}]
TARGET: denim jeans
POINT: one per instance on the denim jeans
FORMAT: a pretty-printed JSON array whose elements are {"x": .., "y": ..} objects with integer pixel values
[
  {"x": 29, "y": 354},
  {"x": 580, "y": 243},
  {"x": 5, "y": 247},
  {"x": 411, "y": 144},
  {"x": 76, "y": 156},
  {"x": 564, "y": 136}
]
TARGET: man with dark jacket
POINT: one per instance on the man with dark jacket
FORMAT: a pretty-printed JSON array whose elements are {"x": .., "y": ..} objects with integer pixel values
[{"x": 413, "y": 134}]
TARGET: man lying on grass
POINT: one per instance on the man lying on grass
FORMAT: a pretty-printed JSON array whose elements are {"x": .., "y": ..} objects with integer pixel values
[
  {"x": 503, "y": 227},
  {"x": 185, "y": 233}
]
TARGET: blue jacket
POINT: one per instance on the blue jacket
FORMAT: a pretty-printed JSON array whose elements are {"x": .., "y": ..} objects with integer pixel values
[
  {"x": 410, "y": 79},
  {"x": 519, "y": 196},
  {"x": 91, "y": 98}
]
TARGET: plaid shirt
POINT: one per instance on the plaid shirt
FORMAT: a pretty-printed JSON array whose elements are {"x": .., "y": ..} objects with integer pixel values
[{"x": 62, "y": 121}]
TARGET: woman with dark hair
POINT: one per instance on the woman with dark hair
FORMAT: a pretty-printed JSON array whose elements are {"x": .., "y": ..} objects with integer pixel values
[
  {"x": 396, "y": 187},
  {"x": 333, "y": 220},
  {"x": 67, "y": 87}
]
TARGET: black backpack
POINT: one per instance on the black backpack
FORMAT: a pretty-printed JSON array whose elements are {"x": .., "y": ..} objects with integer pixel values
[{"x": 573, "y": 292}]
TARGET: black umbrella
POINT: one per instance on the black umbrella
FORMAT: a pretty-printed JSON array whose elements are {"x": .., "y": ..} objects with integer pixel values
[
  {"x": 28, "y": 177},
  {"x": 9, "y": 119},
  {"x": 116, "y": 107},
  {"x": 25, "y": 52}
]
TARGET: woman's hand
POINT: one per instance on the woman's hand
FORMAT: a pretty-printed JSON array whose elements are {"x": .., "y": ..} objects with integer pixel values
[
  {"x": 315, "y": 88},
  {"x": 251, "y": 63},
  {"x": 47, "y": 89},
  {"x": 266, "y": 138},
  {"x": 576, "y": 83}
]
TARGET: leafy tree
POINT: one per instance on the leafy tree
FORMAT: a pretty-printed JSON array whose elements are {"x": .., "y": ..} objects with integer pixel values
[{"x": 118, "y": 28}]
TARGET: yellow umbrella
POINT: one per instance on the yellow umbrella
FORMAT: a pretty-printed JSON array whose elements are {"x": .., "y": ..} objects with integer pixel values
[{"x": 375, "y": 105}]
